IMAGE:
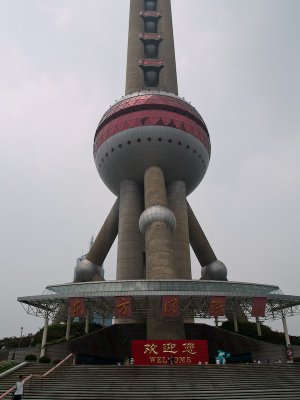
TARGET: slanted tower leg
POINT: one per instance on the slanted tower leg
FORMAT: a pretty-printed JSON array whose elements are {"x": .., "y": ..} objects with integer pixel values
[
  {"x": 105, "y": 237},
  {"x": 212, "y": 268},
  {"x": 158, "y": 222},
  {"x": 199, "y": 242},
  {"x": 90, "y": 268}
]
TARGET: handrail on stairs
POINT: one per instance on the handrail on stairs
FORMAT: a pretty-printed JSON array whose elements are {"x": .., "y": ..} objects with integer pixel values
[
  {"x": 70, "y": 356},
  {"x": 31, "y": 376},
  {"x": 13, "y": 388}
]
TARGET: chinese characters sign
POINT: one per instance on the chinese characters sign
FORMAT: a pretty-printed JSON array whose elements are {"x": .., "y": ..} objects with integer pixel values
[
  {"x": 170, "y": 306},
  {"x": 123, "y": 307},
  {"x": 158, "y": 352},
  {"x": 77, "y": 307},
  {"x": 217, "y": 306},
  {"x": 258, "y": 306}
]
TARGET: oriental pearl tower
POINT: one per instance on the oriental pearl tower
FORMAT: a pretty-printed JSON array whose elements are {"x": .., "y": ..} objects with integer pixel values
[{"x": 152, "y": 149}]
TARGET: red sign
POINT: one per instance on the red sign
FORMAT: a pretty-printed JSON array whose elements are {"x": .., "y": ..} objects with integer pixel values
[
  {"x": 170, "y": 306},
  {"x": 77, "y": 307},
  {"x": 217, "y": 306},
  {"x": 258, "y": 307},
  {"x": 123, "y": 307},
  {"x": 159, "y": 352}
]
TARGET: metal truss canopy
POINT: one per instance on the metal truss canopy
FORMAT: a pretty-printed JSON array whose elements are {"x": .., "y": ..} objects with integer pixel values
[{"x": 146, "y": 294}]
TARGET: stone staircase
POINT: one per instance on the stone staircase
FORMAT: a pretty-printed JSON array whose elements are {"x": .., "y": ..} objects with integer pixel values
[
  {"x": 239, "y": 381},
  {"x": 8, "y": 381}
]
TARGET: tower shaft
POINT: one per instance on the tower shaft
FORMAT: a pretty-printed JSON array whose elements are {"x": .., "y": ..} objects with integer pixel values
[{"x": 151, "y": 55}]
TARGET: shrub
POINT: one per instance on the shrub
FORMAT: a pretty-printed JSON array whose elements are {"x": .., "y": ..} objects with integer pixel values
[
  {"x": 13, "y": 342},
  {"x": 6, "y": 365},
  {"x": 268, "y": 335},
  {"x": 30, "y": 357},
  {"x": 45, "y": 360},
  {"x": 56, "y": 334}
]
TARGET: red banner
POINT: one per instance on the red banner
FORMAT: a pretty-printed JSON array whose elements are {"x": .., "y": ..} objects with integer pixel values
[
  {"x": 77, "y": 307},
  {"x": 123, "y": 307},
  {"x": 258, "y": 307},
  {"x": 165, "y": 352},
  {"x": 170, "y": 306},
  {"x": 217, "y": 306}
]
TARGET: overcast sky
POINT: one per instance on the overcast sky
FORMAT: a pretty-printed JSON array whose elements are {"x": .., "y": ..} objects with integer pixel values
[{"x": 62, "y": 63}]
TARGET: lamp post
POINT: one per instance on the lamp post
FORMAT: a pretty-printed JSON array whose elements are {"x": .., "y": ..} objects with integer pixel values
[
  {"x": 31, "y": 340},
  {"x": 21, "y": 336}
]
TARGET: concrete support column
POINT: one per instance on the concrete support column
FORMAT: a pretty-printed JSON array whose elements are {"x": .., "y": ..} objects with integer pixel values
[
  {"x": 286, "y": 332},
  {"x": 68, "y": 327},
  {"x": 176, "y": 192},
  {"x": 235, "y": 322},
  {"x": 44, "y": 338},
  {"x": 258, "y": 327},
  {"x": 159, "y": 223},
  {"x": 130, "y": 260},
  {"x": 87, "y": 322},
  {"x": 160, "y": 257},
  {"x": 130, "y": 263}
]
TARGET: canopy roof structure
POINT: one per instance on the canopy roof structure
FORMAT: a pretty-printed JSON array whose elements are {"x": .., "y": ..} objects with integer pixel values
[{"x": 146, "y": 296}]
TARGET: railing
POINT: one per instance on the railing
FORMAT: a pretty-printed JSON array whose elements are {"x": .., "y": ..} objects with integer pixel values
[
  {"x": 60, "y": 363},
  {"x": 13, "y": 388},
  {"x": 153, "y": 14},
  {"x": 150, "y": 36},
  {"x": 151, "y": 62},
  {"x": 30, "y": 377}
]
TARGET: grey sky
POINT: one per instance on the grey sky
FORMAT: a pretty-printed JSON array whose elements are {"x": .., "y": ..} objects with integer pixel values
[{"x": 62, "y": 63}]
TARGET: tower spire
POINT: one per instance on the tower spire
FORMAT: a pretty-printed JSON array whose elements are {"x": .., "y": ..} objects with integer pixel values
[{"x": 151, "y": 61}]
